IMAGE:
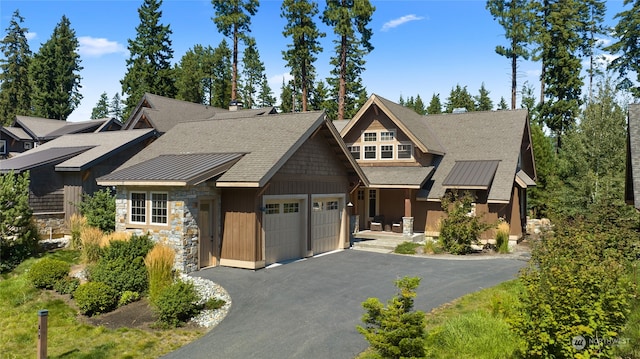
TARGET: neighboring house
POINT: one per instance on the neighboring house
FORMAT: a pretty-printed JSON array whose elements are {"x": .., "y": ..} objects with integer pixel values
[
  {"x": 632, "y": 183},
  {"x": 241, "y": 192},
  {"x": 28, "y": 132},
  {"x": 411, "y": 161},
  {"x": 65, "y": 168},
  {"x": 162, "y": 113}
]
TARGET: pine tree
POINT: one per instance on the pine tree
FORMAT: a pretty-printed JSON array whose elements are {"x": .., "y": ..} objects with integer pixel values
[
  {"x": 502, "y": 105},
  {"x": 233, "y": 18},
  {"x": 101, "y": 110},
  {"x": 483, "y": 101},
  {"x": 528, "y": 101},
  {"x": 15, "y": 90},
  {"x": 149, "y": 64},
  {"x": 459, "y": 98},
  {"x": 301, "y": 54},
  {"x": 115, "y": 107},
  {"x": 54, "y": 74},
  {"x": 418, "y": 106},
  {"x": 593, "y": 30},
  {"x": 627, "y": 33},
  {"x": 401, "y": 100},
  {"x": 286, "y": 97},
  {"x": 266, "y": 98},
  {"x": 515, "y": 17},
  {"x": 541, "y": 196},
  {"x": 320, "y": 98},
  {"x": 190, "y": 75},
  {"x": 221, "y": 75},
  {"x": 435, "y": 107},
  {"x": 349, "y": 19},
  {"x": 252, "y": 71}
]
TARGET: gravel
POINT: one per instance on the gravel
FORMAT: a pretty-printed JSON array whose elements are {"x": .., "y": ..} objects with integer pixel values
[{"x": 208, "y": 290}]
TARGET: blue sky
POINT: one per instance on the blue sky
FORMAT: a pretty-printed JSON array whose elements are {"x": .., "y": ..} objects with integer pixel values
[{"x": 422, "y": 47}]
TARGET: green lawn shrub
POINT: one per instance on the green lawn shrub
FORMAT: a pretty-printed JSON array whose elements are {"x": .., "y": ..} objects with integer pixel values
[
  {"x": 458, "y": 229},
  {"x": 46, "y": 272},
  {"x": 406, "y": 248},
  {"x": 67, "y": 285},
  {"x": 91, "y": 238},
  {"x": 176, "y": 304},
  {"x": 95, "y": 298},
  {"x": 121, "y": 265},
  {"x": 214, "y": 303},
  {"x": 128, "y": 297},
  {"x": 100, "y": 209}
]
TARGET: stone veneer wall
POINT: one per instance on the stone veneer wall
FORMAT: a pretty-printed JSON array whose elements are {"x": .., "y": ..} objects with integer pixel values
[
  {"x": 50, "y": 225},
  {"x": 182, "y": 232}
]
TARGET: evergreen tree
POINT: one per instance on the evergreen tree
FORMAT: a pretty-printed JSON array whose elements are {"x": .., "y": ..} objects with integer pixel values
[
  {"x": 401, "y": 100},
  {"x": 435, "y": 106},
  {"x": 515, "y": 17},
  {"x": 320, "y": 99},
  {"x": 304, "y": 33},
  {"x": 593, "y": 30},
  {"x": 54, "y": 74},
  {"x": 265, "y": 98},
  {"x": 459, "y": 98},
  {"x": 190, "y": 76},
  {"x": 252, "y": 71},
  {"x": 540, "y": 196},
  {"x": 627, "y": 33},
  {"x": 349, "y": 20},
  {"x": 233, "y": 18},
  {"x": 418, "y": 106},
  {"x": 502, "y": 105},
  {"x": 149, "y": 64},
  {"x": 528, "y": 101},
  {"x": 15, "y": 90},
  {"x": 483, "y": 101},
  {"x": 101, "y": 110},
  {"x": 286, "y": 97},
  {"x": 115, "y": 107},
  {"x": 206, "y": 58},
  {"x": 221, "y": 75},
  {"x": 410, "y": 102}
]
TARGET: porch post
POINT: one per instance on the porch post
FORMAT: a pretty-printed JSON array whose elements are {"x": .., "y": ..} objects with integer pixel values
[{"x": 407, "y": 220}]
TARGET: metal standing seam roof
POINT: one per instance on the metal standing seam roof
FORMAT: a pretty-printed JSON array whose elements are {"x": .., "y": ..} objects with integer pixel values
[
  {"x": 397, "y": 177},
  {"x": 30, "y": 160},
  {"x": 173, "y": 169},
  {"x": 471, "y": 174}
]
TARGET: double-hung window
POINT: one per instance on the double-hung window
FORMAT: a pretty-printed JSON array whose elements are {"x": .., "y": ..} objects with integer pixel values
[
  {"x": 158, "y": 208},
  {"x": 404, "y": 151},
  {"x": 370, "y": 152},
  {"x": 138, "y": 207},
  {"x": 149, "y": 208},
  {"x": 386, "y": 151},
  {"x": 355, "y": 151}
]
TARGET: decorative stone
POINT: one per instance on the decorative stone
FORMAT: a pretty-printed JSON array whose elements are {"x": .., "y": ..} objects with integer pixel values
[{"x": 407, "y": 226}]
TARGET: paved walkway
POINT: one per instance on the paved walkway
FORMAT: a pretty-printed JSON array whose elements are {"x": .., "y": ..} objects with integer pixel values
[{"x": 310, "y": 308}]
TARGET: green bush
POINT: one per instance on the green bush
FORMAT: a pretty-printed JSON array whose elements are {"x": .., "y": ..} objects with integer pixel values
[
  {"x": 502, "y": 242},
  {"x": 122, "y": 265},
  {"x": 100, "y": 209},
  {"x": 66, "y": 285},
  {"x": 46, "y": 272},
  {"x": 128, "y": 297},
  {"x": 95, "y": 298},
  {"x": 214, "y": 303},
  {"x": 458, "y": 229},
  {"x": 176, "y": 304},
  {"x": 395, "y": 331},
  {"x": 406, "y": 248}
]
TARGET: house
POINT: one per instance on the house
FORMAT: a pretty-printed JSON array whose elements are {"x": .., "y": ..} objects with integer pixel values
[
  {"x": 162, "y": 113},
  {"x": 28, "y": 132},
  {"x": 244, "y": 192},
  {"x": 412, "y": 161},
  {"x": 65, "y": 168},
  {"x": 632, "y": 183}
]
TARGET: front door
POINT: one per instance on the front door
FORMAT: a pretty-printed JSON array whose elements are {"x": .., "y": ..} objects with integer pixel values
[{"x": 208, "y": 240}]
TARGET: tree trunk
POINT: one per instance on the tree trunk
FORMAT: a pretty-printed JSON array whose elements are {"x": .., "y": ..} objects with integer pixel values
[
  {"x": 514, "y": 81},
  {"x": 234, "y": 71}
]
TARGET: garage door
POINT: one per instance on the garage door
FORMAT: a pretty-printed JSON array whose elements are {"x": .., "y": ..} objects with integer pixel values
[
  {"x": 325, "y": 225},
  {"x": 283, "y": 223}
]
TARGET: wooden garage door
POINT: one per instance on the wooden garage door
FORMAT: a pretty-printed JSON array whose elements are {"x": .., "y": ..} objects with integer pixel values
[
  {"x": 325, "y": 225},
  {"x": 283, "y": 224}
]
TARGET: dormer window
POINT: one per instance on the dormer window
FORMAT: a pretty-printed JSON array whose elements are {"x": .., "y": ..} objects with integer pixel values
[
  {"x": 387, "y": 136},
  {"x": 355, "y": 151},
  {"x": 370, "y": 136},
  {"x": 404, "y": 151}
]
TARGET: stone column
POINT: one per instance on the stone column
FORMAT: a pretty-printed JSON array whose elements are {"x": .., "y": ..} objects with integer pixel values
[{"x": 407, "y": 226}]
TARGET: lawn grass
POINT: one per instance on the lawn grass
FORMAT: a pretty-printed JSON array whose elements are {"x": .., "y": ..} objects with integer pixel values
[
  {"x": 67, "y": 336},
  {"x": 406, "y": 248}
]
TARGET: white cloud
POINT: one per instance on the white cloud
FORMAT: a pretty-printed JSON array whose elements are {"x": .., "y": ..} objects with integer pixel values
[
  {"x": 31, "y": 35},
  {"x": 275, "y": 81},
  {"x": 400, "y": 21},
  {"x": 96, "y": 47}
]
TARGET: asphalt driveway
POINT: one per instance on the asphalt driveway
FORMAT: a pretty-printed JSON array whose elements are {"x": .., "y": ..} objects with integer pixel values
[{"x": 310, "y": 308}]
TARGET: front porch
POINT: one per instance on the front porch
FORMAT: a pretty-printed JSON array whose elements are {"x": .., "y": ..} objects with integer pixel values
[{"x": 382, "y": 240}]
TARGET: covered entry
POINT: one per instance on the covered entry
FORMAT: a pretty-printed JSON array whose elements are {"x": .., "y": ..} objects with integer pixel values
[{"x": 284, "y": 235}]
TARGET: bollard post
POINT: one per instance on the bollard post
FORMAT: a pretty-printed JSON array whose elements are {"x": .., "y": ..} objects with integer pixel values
[{"x": 42, "y": 333}]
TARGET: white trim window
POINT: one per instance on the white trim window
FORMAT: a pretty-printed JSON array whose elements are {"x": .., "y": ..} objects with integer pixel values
[
  {"x": 370, "y": 137},
  {"x": 3, "y": 147},
  {"x": 293, "y": 207},
  {"x": 405, "y": 151},
  {"x": 387, "y": 136},
  {"x": 138, "y": 207},
  {"x": 159, "y": 208},
  {"x": 355, "y": 151},
  {"x": 386, "y": 152},
  {"x": 370, "y": 152},
  {"x": 272, "y": 208}
]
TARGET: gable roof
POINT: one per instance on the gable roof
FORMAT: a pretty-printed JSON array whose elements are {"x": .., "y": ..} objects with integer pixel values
[
  {"x": 408, "y": 121},
  {"x": 480, "y": 136},
  {"x": 17, "y": 133},
  {"x": 632, "y": 183},
  {"x": 267, "y": 142},
  {"x": 398, "y": 177},
  {"x": 90, "y": 149},
  {"x": 38, "y": 127},
  {"x": 76, "y": 127}
]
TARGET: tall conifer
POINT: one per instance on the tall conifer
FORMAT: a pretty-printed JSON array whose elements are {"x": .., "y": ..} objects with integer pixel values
[{"x": 15, "y": 90}]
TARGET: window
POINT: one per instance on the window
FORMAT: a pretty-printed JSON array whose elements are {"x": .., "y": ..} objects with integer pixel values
[
  {"x": 272, "y": 208},
  {"x": 370, "y": 152},
  {"x": 317, "y": 206},
  {"x": 370, "y": 137},
  {"x": 138, "y": 207},
  {"x": 355, "y": 151},
  {"x": 293, "y": 207},
  {"x": 404, "y": 151},
  {"x": 361, "y": 194},
  {"x": 3, "y": 147},
  {"x": 28, "y": 145},
  {"x": 158, "y": 208},
  {"x": 387, "y": 136},
  {"x": 386, "y": 151},
  {"x": 331, "y": 205}
]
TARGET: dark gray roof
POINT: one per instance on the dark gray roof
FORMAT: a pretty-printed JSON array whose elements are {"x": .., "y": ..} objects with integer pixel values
[
  {"x": 401, "y": 177},
  {"x": 38, "y": 127},
  {"x": 523, "y": 177},
  {"x": 17, "y": 133},
  {"x": 30, "y": 159},
  {"x": 471, "y": 174},
  {"x": 75, "y": 127},
  {"x": 183, "y": 169},
  {"x": 632, "y": 186}
]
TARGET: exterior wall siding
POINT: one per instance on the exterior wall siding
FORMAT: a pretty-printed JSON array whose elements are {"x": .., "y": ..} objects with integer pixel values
[{"x": 240, "y": 240}]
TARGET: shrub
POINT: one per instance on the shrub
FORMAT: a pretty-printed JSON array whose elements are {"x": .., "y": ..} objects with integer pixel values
[
  {"x": 406, "y": 248},
  {"x": 214, "y": 303},
  {"x": 159, "y": 263},
  {"x": 100, "y": 209},
  {"x": 502, "y": 237},
  {"x": 121, "y": 265},
  {"x": 66, "y": 285},
  {"x": 46, "y": 272},
  {"x": 95, "y": 298},
  {"x": 176, "y": 304},
  {"x": 91, "y": 238},
  {"x": 459, "y": 229},
  {"x": 114, "y": 236},
  {"x": 76, "y": 224},
  {"x": 432, "y": 247},
  {"x": 395, "y": 331},
  {"x": 128, "y": 297}
]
